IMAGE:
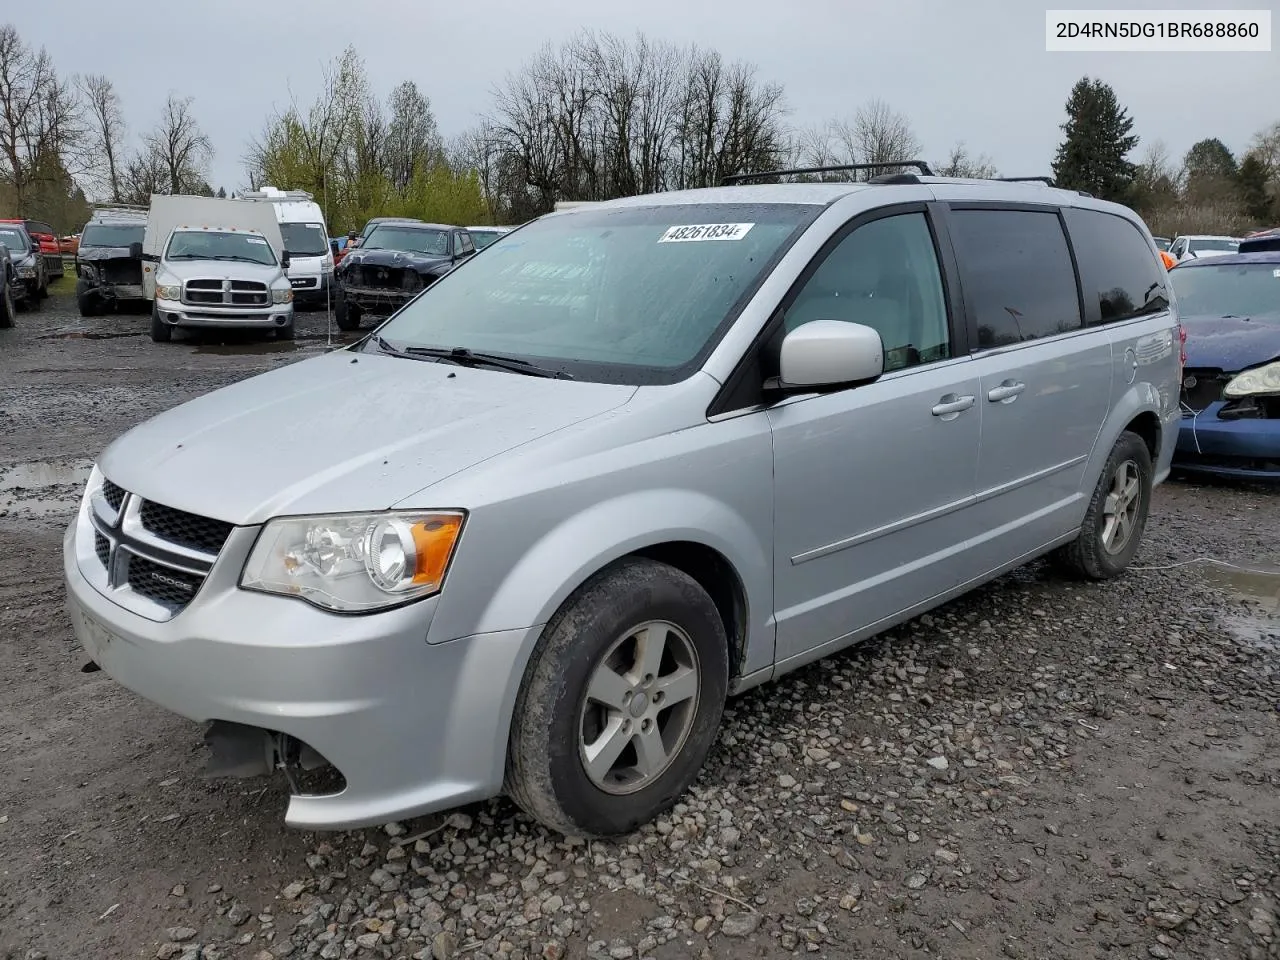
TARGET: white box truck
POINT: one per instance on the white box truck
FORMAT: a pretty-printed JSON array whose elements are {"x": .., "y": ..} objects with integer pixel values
[
  {"x": 306, "y": 237},
  {"x": 215, "y": 264}
]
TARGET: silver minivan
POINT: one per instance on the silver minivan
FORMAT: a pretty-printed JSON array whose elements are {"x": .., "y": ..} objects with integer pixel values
[{"x": 529, "y": 534}]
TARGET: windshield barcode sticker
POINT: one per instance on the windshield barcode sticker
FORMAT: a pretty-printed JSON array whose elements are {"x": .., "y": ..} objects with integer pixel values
[
  {"x": 256, "y": 240},
  {"x": 705, "y": 231}
]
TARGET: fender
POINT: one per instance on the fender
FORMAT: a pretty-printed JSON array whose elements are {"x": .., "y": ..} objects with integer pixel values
[
  {"x": 541, "y": 580},
  {"x": 1138, "y": 398}
]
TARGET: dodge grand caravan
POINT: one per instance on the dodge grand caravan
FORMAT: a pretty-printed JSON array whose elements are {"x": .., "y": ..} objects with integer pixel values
[{"x": 640, "y": 456}]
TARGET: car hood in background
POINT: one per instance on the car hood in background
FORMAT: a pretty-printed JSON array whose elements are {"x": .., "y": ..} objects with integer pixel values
[
  {"x": 341, "y": 433},
  {"x": 400, "y": 259},
  {"x": 103, "y": 253},
  {"x": 1231, "y": 344}
]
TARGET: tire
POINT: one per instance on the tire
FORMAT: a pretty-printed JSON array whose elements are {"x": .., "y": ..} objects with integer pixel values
[
  {"x": 347, "y": 315},
  {"x": 287, "y": 332},
  {"x": 1090, "y": 556},
  {"x": 555, "y": 722},
  {"x": 161, "y": 332},
  {"x": 8, "y": 309},
  {"x": 43, "y": 292},
  {"x": 88, "y": 302}
]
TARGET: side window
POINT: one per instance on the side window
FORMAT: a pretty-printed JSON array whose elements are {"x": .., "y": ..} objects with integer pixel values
[
  {"x": 885, "y": 275},
  {"x": 1016, "y": 274},
  {"x": 465, "y": 244},
  {"x": 1117, "y": 270},
  {"x": 1178, "y": 248}
]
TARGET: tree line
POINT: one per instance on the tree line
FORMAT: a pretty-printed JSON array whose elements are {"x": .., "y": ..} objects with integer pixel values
[{"x": 595, "y": 117}]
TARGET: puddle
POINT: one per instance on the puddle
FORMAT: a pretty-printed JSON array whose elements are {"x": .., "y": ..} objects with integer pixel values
[
  {"x": 92, "y": 335},
  {"x": 1260, "y": 591},
  {"x": 42, "y": 488}
]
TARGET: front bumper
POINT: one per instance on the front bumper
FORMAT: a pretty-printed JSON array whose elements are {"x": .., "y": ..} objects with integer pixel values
[
  {"x": 104, "y": 290},
  {"x": 376, "y": 300},
  {"x": 316, "y": 296},
  {"x": 412, "y": 727},
  {"x": 1246, "y": 448},
  {"x": 178, "y": 314}
]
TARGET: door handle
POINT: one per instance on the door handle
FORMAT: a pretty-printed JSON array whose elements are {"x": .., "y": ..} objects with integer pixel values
[
  {"x": 1007, "y": 392},
  {"x": 951, "y": 406}
]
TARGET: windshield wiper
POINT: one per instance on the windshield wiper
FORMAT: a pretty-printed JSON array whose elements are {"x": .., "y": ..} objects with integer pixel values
[{"x": 465, "y": 357}]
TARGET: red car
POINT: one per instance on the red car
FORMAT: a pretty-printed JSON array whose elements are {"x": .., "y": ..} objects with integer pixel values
[{"x": 44, "y": 237}]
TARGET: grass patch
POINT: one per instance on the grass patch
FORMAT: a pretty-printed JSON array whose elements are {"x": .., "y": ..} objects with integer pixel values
[{"x": 64, "y": 287}]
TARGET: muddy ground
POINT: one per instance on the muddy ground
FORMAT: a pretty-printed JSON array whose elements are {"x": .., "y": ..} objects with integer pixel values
[{"x": 1042, "y": 769}]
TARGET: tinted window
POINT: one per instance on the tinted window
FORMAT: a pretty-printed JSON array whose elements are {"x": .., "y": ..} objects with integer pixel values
[
  {"x": 112, "y": 234},
  {"x": 1016, "y": 274},
  {"x": 884, "y": 275},
  {"x": 464, "y": 243},
  {"x": 428, "y": 242},
  {"x": 1117, "y": 270}
]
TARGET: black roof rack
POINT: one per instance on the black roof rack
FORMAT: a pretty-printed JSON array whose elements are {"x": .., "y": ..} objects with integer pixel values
[
  {"x": 839, "y": 168},
  {"x": 1047, "y": 181}
]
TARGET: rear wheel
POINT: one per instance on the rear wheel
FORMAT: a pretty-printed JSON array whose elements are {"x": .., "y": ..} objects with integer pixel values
[
  {"x": 1117, "y": 515},
  {"x": 620, "y": 703},
  {"x": 161, "y": 332}
]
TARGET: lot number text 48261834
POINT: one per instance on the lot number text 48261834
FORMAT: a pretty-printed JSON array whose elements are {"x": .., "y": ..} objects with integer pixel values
[{"x": 1181, "y": 31}]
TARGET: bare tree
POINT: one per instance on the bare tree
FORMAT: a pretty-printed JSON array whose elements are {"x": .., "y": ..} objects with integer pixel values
[
  {"x": 181, "y": 144},
  {"x": 877, "y": 134},
  {"x": 108, "y": 130},
  {"x": 960, "y": 163},
  {"x": 144, "y": 174}
]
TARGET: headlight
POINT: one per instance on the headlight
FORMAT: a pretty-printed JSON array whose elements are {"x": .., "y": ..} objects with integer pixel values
[
  {"x": 26, "y": 270},
  {"x": 1259, "y": 380},
  {"x": 88, "y": 272},
  {"x": 168, "y": 291},
  {"x": 282, "y": 296},
  {"x": 354, "y": 563}
]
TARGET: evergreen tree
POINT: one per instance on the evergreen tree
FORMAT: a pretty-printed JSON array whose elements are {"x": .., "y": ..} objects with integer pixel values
[
  {"x": 1093, "y": 155},
  {"x": 1252, "y": 181}
]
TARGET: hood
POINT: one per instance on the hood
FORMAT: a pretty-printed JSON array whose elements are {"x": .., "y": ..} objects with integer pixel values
[
  {"x": 1230, "y": 344},
  {"x": 343, "y": 432},
  {"x": 103, "y": 253},
  {"x": 1207, "y": 254},
  {"x": 221, "y": 270},
  {"x": 393, "y": 258}
]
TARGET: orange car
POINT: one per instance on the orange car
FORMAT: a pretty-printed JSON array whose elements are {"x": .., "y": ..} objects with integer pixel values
[{"x": 69, "y": 245}]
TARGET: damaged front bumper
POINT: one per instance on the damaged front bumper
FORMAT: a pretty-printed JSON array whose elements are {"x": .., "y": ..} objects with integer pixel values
[
  {"x": 378, "y": 301},
  {"x": 412, "y": 727},
  {"x": 1237, "y": 446}
]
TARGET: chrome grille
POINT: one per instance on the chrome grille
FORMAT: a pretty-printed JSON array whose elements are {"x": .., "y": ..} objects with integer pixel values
[
  {"x": 153, "y": 558},
  {"x": 241, "y": 293}
]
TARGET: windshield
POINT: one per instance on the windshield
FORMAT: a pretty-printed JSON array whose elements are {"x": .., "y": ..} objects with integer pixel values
[
  {"x": 112, "y": 234},
  {"x": 304, "y": 239},
  {"x": 482, "y": 238},
  {"x": 219, "y": 245},
  {"x": 15, "y": 240},
  {"x": 1227, "y": 246},
  {"x": 432, "y": 243},
  {"x": 620, "y": 296},
  {"x": 1162, "y": 243},
  {"x": 1233, "y": 289}
]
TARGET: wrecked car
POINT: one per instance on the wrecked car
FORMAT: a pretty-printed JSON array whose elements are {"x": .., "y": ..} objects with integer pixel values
[
  {"x": 107, "y": 271},
  {"x": 1230, "y": 310},
  {"x": 393, "y": 264},
  {"x": 28, "y": 265}
]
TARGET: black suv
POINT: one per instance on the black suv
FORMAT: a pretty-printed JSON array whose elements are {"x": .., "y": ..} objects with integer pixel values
[
  {"x": 395, "y": 262},
  {"x": 107, "y": 273}
]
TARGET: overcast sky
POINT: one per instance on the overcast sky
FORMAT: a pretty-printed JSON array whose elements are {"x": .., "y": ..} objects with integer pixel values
[{"x": 975, "y": 71}]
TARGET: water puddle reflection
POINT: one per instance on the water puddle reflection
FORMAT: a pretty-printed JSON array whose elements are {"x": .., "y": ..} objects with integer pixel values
[
  {"x": 1260, "y": 591},
  {"x": 42, "y": 488}
]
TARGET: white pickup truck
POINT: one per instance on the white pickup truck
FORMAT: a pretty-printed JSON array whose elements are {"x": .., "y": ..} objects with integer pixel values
[{"x": 210, "y": 263}]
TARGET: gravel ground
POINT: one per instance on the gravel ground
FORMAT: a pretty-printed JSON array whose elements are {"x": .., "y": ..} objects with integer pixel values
[{"x": 1041, "y": 769}]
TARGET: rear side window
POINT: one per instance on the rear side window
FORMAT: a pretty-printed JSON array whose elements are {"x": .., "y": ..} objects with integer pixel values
[
  {"x": 1016, "y": 275},
  {"x": 1117, "y": 270}
]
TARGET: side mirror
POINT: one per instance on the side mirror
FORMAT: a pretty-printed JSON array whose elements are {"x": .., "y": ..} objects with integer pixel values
[
  {"x": 826, "y": 354},
  {"x": 284, "y": 259},
  {"x": 352, "y": 235},
  {"x": 333, "y": 247},
  {"x": 135, "y": 250}
]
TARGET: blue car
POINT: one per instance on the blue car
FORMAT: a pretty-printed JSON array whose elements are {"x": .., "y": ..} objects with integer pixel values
[{"x": 1230, "y": 312}]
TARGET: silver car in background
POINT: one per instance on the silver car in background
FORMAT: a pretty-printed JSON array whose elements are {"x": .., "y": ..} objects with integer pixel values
[{"x": 529, "y": 534}]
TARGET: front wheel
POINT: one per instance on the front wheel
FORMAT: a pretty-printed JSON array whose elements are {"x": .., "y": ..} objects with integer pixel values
[
  {"x": 620, "y": 703},
  {"x": 287, "y": 332},
  {"x": 161, "y": 332},
  {"x": 347, "y": 315},
  {"x": 1117, "y": 515},
  {"x": 7, "y": 307}
]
